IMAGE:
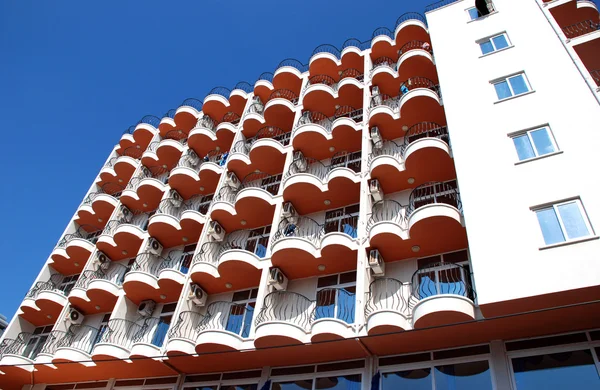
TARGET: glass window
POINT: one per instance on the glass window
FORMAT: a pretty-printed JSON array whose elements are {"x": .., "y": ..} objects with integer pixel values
[
  {"x": 473, "y": 14},
  {"x": 562, "y": 222},
  {"x": 494, "y": 44},
  {"x": 511, "y": 86},
  {"x": 419, "y": 379},
  {"x": 293, "y": 385},
  {"x": 534, "y": 143},
  {"x": 472, "y": 375},
  {"x": 563, "y": 370}
]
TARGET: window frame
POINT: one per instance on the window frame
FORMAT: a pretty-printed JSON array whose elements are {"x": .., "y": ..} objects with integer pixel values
[
  {"x": 554, "y": 206},
  {"x": 495, "y": 10},
  {"x": 337, "y": 286},
  {"x": 490, "y": 40},
  {"x": 316, "y": 374},
  {"x": 506, "y": 79},
  {"x": 528, "y": 132}
]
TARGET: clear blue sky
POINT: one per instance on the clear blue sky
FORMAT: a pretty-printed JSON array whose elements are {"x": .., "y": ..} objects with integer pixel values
[{"x": 75, "y": 74}]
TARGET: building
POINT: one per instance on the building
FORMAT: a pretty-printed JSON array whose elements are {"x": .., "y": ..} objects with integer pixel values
[
  {"x": 408, "y": 212},
  {"x": 3, "y": 324}
]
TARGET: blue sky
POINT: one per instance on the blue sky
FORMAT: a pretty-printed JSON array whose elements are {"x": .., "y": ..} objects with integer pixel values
[{"x": 75, "y": 74}]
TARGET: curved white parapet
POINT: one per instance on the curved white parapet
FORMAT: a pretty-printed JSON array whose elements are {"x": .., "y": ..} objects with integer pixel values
[
  {"x": 221, "y": 205},
  {"x": 263, "y": 83},
  {"x": 382, "y": 39},
  {"x": 432, "y": 211},
  {"x": 383, "y": 109},
  {"x": 184, "y": 171},
  {"x": 69, "y": 354},
  {"x": 587, "y": 4},
  {"x": 240, "y": 255},
  {"x": 18, "y": 361},
  {"x": 226, "y": 126},
  {"x": 296, "y": 243},
  {"x": 383, "y": 160},
  {"x": 325, "y": 56},
  {"x": 59, "y": 252},
  {"x": 343, "y": 172},
  {"x": 141, "y": 277},
  {"x": 443, "y": 309},
  {"x": 103, "y": 285},
  {"x": 172, "y": 275},
  {"x": 145, "y": 126},
  {"x": 412, "y": 54},
  {"x": 388, "y": 227},
  {"x": 205, "y": 268},
  {"x": 128, "y": 137},
  {"x": 382, "y": 69},
  {"x": 386, "y": 319},
  {"x": 220, "y": 337},
  {"x": 322, "y": 88},
  {"x": 99, "y": 198},
  {"x": 279, "y": 102},
  {"x": 253, "y": 116},
  {"x": 179, "y": 346},
  {"x": 343, "y": 121},
  {"x": 409, "y": 22},
  {"x": 312, "y": 128},
  {"x": 304, "y": 178},
  {"x": 341, "y": 239},
  {"x": 55, "y": 297},
  {"x": 416, "y": 93},
  {"x": 112, "y": 350},
  {"x": 239, "y": 156},
  {"x": 328, "y": 328},
  {"x": 170, "y": 122},
  {"x": 351, "y": 49},
  {"x": 30, "y": 304},
  {"x": 197, "y": 131},
  {"x": 79, "y": 293},
  {"x": 152, "y": 182},
  {"x": 279, "y": 330},
  {"x": 287, "y": 69},
  {"x": 237, "y": 92},
  {"x": 216, "y": 98},
  {"x": 212, "y": 167},
  {"x": 254, "y": 192},
  {"x": 128, "y": 228},
  {"x": 43, "y": 358},
  {"x": 80, "y": 243},
  {"x": 424, "y": 143},
  {"x": 164, "y": 219},
  {"x": 349, "y": 81},
  {"x": 268, "y": 143},
  {"x": 145, "y": 350},
  {"x": 186, "y": 109},
  {"x": 193, "y": 215}
]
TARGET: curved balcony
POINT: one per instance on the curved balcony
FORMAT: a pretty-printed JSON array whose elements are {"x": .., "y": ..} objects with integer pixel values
[
  {"x": 285, "y": 319},
  {"x": 185, "y": 116},
  {"x": 204, "y": 137},
  {"x": 263, "y": 86},
  {"x": 17, "y": 355},
  {"x": 423, "y": 156},
  {"x": 410, "y": 26},
  {"x": 167, "y": 121},
  {"x": 329, "y": 60},
  {"x": 253, "y": 118},
  {"x": 176, "y": 222},
  {"x": 279, "y": 111},
  {"x": 319, "y": 136},
  {"x": 231, "y": 264},
  {"x": 416, "y": 59},
  {"x": 387, "y": 229},
  {"x": 312, "y": 186},
  {"x": 148, "y": 341},
  {"x": 181, "y": 339},
  {"x": 442, "y": 294},
  {"x": 145, "y": 190},
  {"x": 117, "y": 170},
  {"x": 122, "y": 238},
  {"x": 49, "y": 347},
  {"x": 73, "y": 249},
  {"x": 220, "y": 100},
  {"x": 138, "y": 136},
  {"x": 383, "y": 43},
  {"x": 386, "y": 307},
  {"x": 155, "y": 277},
  {"x": 117, "y": 339},
  {"x": 288, "y": 75},
  {"x": 96, "y": 291},
  {"x": 334, "y": 313},
  {"x": 300, "y": 246},
  {"x": 252, "y": 204},
  {"x": 324, "y": 93},
  {"x": 165, "y": 153},
  {"x": 224, "y": 327},
  {"x": 195, "y": 175},
  {"x": 264, "y": 152},
  {"x": 98, "y": 206},
  {"x": 76, "y": 345},
  {"x": 45, "y": 300}
]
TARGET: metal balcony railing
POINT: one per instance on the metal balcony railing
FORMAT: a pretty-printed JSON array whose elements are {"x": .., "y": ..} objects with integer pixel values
[
  {"x": 177, "y": 135},
  {"x": 416, "y": 83},
  {"x": 387, "y": 294},
  {"x": 315, "y": 117},
  {"x": 115, "y": 274},
  {"x": 111, "y": 189},
  {"x": 153, "y": 264},
  {"x": 442, "y": 278},
  {"x": 410, "y": 16},
  {"x": 353, "y": 42},
  {"x": 262, "y": 180},
  {"x": 52, "y": 342},
  {"x": 244, "y": 86},
  {"x": 327, "y": 48},
  {"x": 139, "y": 219},
  {"x": 434, "y": 193},
  {"x": 230, "y": 316},
  {"x": 352, "y": 73},
  {"x": 314, "y": 167},
  {"x": 199, "y": 203},
  {"x": 246, "y": 240},
  {"x": 268, "y": 132},
  {"x": 170, "y": 113},
  {"x": 384, "y": 100},
  {"x": 55, "y": 283},
  {"x": 222, "y": 91},
  {"x": 148, "y": 119},
  {"x": 415, "y": 45},
  {"x": 287, "y": 306},
  {"x": 256, "y": 107},
  {"x": 382, "y": 31},
  {"x": 581, "y": 28},
  {"x": 80, "y": 337},
  {"x": 192, "y": 102},
  {"x": 152, "y": 331},
  {"x": 381, "y": 62},
  {"x": 266, "y": 76},
  {"x": 596, "y": 76},
  {"x": 85, "y": 232},
  {"x": 426, "y": 130},
  {"x": 121, "y": 332},
  {"x": 206, "y": 122},
  {"x": 134, "y": 151},
  {"x": 191, "y": 160},
  {"x": 186, "y": 326},
  {"x": 231, "y": 117},
  {"x": 438, "y": 4},
  {"x": 349, "y": 112},
  {"x": 284, "y": 94},
  {"x": 387, "y": 210},
  {"x": 310, "y": 230},
  {"x": 294, "y": 63},
  {"x": 15, "y": 346}
]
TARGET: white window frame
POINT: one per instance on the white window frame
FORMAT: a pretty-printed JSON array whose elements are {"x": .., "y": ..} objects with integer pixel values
[
  {"x": 554, "y": 206},
  {"x": 528, "y": 133},
  {"x": 246, "y": 302},
  {"x": 337, "y": 286},
  {"x": 221, "y": 382},
  {"x": 339, "y": 218},
  {"x": 490, "y": 40},
  {"x": 506, "y": 79},
  {"x": 316, "y": 375}
]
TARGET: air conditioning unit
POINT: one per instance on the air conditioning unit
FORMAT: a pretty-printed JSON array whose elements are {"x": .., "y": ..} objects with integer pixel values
[
  {"x": 192, "y": 157},
  {"x": 216, "y": 231},
  {"x": 75, "y": 317},
  {"x": 289, "y": 212},
  {"x": 101, "y": 258},
  {"x": 375, "y": 136},
  {"x": 197, "y": 295},
  {"x": 146, "y": 172},
  {"x": 154, "y": 246},
  {"x": 232, "y": 180},
  {"x": 126, "y": 214},
  {"x": 375, "y": 190},
  {"x": 146, "y": 308},
  {"x": 377, "y": 98},
  {"x": 175, "y": 199},
  {"x": 277, "y": 279},
  {"x": 376, "y": 263},
  {"x": 300, "y": 161},
  {"x": 104, "y": 266}
]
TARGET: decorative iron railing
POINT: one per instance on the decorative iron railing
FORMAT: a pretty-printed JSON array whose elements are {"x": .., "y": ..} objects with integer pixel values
[
  {"x": 121, "y": 332},
  {"x": 294, "y": 63},
  {"x": 231, "y": 117},
  {"x": 170, "y": 113},
  {"x": 269, "y": 132},
  {"x": 283, "y": 94},
  {"x": 410, "y": 16},
  {"x": 230, "y": 316},
  {"x": 85, "y": 232},
  {"x": 381, "y": 62},
  {"x": 111, "y": 189},
  {"x": 222, "y": 91},
  {"x": 382, "y": 31},
  {"x": 177, "y": 135},
  {"x": 415, "y": 45},
  {"x": 434, "y": 193},
  {"x": 80, "y": 337},
  {"x": 581, "y": 28},
  {"x": 52, "y": 342},
  {"x": 442, "y": 278},
  {"x": 287, "y": 306},
  {"x": 192, "y": 102},
  {"x": 387, "y": 210},
  {"x": 387, "y": 294},
  {"x": 244, "y": 86},
  {"x": 186, "y": 326},
  {"x": 326, "y": 48},
  {"x": 153, "y": 331}
]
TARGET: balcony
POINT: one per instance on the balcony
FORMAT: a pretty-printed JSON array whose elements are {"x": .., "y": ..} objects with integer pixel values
[
  {"x": 252, "y": 204},
  {"x": 430, "y": 224},
  {"x": 329, "y": 60},
  {"x": 73, "y": 249},
  {"x": 145, "y": 190},
  {"x": 580, "y": 29},
  {"x": 386, "y": 308},
  {"x": 264, "y": 152},
  {"x": 135, "y": 139},
  {"x": 419, "y": 100},
  {"x": 291, "y": 318},
  {"x": 19, "y": 352},
  {"x": 319, "y": 136},
  {"x": 45, "y": 300},
  {"x": 178, "y": 222},
  {"x": 194, "y": 175},
  {"x": 149, "y": 340},
  {"x": 423, "y": 155},
  {"x": 233, "y": 263},
  {"x": 164, "y": 153},
  {"x": 288, "y": 75},
  {"x": 76, "y": 345},
  {"x": 410, "y": 26},
  {"x": 98, "y": 205},
  {"x": 313, "y": 186},
  {"x": 123, "y": 236},
  {"x": 96, "y": 291},
  {"x": 220, "y": 101},
  {"x": 185, "y": 116},
  {"x": 117, "y": 339},
  {"x": 117, "y": 170},
  {"x": 204, "y": 137},
  {"x": 325, "y": 93},
  {"x": 155, "y": 277},
  {"x": 279, "y": 110},
  {"x": 301, "y": 246}
]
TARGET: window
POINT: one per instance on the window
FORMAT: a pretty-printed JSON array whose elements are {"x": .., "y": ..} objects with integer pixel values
[
  {"x": 495, "y": 43},
  {"x": 344, "y": 220},
  {"x": 341, "y": 382},
  {"x": 449, "y": 273},
  {"x": 258, "y": 240},
  {"x": 67, "y": 284},
  {"x": 101, "y": 330},
  {"x": 185, "y": 259},
  {"x": 534, "y": 143},
  {"x": 36, "y": 341},
  {"x": 336, "y": 297},
  {"x": 347, "y": 160},
  {"x": 164, "y": 322},
  {"x": 485, "y": 7},
  {"x": 511, "y": 86},
  {"x": 471, "y": 375},
  {"x": 563, "y": 222},
  {"x": 242, "y": 312}
]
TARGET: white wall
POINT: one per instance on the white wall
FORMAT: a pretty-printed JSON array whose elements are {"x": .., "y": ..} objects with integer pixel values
[{"x": 503, "y": 232}]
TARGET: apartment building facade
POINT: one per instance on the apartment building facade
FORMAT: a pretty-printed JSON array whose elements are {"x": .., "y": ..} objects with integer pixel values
[{"x": 412, "y": 211}]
